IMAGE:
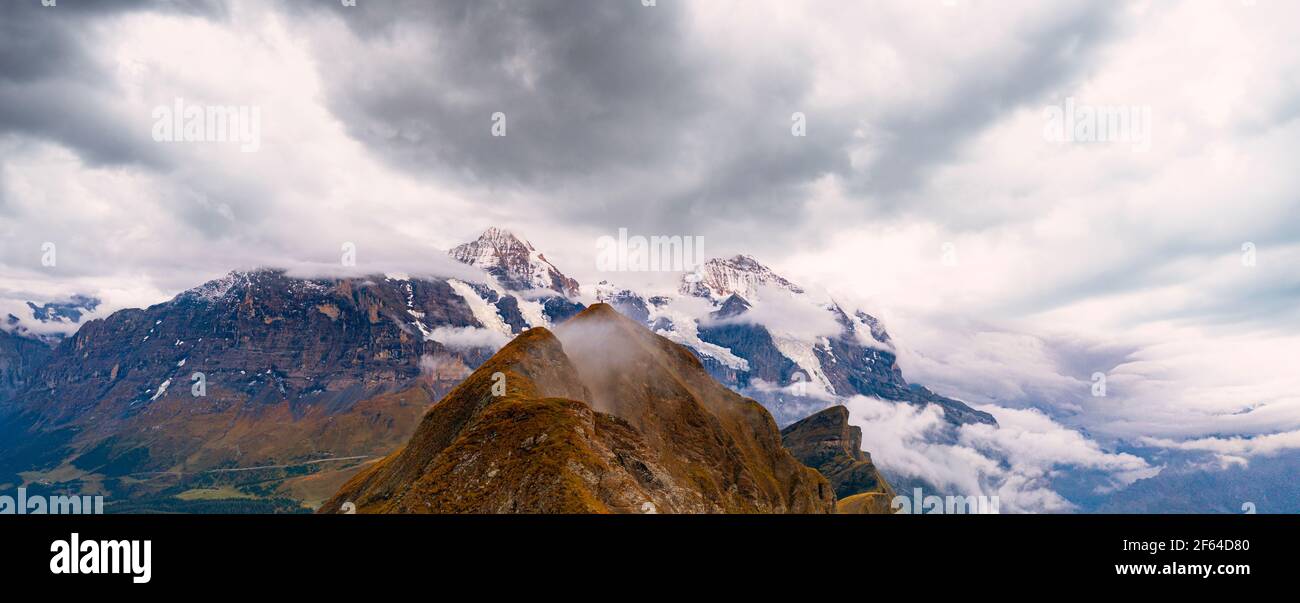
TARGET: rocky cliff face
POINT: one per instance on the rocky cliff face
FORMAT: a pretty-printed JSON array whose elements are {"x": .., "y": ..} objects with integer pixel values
[
  {"x": 20, "y": 359},
  {"x": 828, "y": 443},
  {"x": 607, "y": 417},
  {"x": 256, "y": 369},
  {"x": 253, "y": 369}
]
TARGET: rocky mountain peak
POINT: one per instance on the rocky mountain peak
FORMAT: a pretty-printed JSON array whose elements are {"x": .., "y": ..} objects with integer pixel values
[
  {"x": 514, "y": 262},
  {"x": 501, "y": 237},
  {"x": 742, "y": 275},
  {"x": 217, "y": 289},
  {"x": 731, "y": 307},
  {"x": 825, "y": 436},
  {"x": 261, "y": 283}
]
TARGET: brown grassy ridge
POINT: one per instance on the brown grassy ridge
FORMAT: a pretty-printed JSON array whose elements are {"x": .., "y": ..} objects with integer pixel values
[{"x": 612, "y": 419}]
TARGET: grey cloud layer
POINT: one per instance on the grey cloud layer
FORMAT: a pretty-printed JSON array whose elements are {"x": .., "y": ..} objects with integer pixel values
[
  {"x": 617, "y": 115},
  {"x": 54, "y": 84},
  {"x": 614, "y": 115},
  {"x": 1049, "y": 56}
]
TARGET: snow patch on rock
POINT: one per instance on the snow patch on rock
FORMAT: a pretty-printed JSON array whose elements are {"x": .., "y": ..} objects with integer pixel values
[{"x": 484, "y": 312}]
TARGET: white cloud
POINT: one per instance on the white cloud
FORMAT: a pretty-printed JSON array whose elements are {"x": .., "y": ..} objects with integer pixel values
[
  {"x": 1018, "y": 461},
  {"x": 469, "y": 337},
  {"x": 1234, "y": 450},
  {"x": 785, "y": 313}
]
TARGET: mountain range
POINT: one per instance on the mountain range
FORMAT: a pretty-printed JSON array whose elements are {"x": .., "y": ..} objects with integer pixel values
[
  {"x": 288, "y": 385},
  {"x": 749, "y": 350}
]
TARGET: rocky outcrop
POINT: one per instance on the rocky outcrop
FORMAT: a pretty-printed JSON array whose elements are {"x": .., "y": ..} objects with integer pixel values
[{"x": 828, "y": 443}]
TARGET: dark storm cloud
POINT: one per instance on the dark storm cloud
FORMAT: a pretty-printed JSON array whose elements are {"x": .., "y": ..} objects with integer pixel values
[
  {"x": 585, "y": 85},
  {"x": 613, "y": 111},
  {"x": 618, "y": 115},
  {"x": 55, "y": 85},
  {"x": 59, "y": 84}
]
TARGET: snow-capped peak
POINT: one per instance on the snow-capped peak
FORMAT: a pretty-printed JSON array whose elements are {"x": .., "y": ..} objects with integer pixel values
[
  {"x": 234, "y": 286},
  {"x": 216, "y": 289},
  {"x": 742, "y": 275},
  {"x": 514, "y": 262}
]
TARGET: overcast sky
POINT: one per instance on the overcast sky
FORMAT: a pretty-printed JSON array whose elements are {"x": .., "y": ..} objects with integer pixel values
[{"x": 1009, "y": 266}]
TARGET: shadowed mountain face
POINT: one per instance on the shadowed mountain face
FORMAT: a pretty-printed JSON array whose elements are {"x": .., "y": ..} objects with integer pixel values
[
  {"x": 253, "y": 369},
  {"x": 607, "y": 417},
  {"x": 826, "y": 442},
  {"x": 20, "y": 359}
]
